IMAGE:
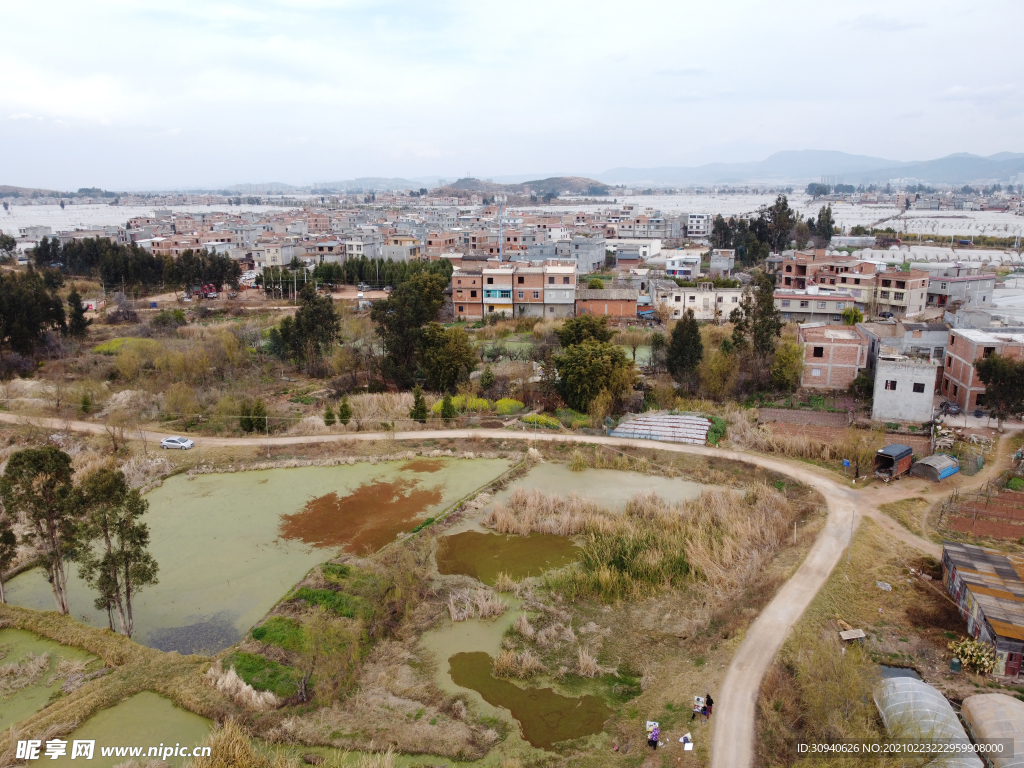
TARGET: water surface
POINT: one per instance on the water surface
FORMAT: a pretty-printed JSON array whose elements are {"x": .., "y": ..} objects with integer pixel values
[
  {"x": 223, "y": 561},
  {"x": 484, "y": 555}
]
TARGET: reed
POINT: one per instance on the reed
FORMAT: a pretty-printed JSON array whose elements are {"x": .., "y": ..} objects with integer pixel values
[{"x": 586, "y": 664}]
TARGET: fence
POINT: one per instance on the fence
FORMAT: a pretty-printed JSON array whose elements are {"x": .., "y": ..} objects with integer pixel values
[{"x": 991, "y": 510}]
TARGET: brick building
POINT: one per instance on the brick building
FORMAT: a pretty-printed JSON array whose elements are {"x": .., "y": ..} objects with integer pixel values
[
  {"x": 960, "y": 382},
  {"x": 833, "y": 355},
  {"x": 467, "y": 295},
  {"x": 607, "y": 302}
]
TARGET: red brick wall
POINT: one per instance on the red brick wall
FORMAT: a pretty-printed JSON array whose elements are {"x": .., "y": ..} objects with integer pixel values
[{"x": 613, "y": 308}]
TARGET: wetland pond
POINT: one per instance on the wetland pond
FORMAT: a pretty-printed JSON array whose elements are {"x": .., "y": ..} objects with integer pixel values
[
  {"x": 231, "y": 545},
  {"x": 484, "y": 555}
]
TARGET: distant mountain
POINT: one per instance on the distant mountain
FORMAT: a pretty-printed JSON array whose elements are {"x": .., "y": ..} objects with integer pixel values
[
  {"x": 575, "y": 185},
  {"x": 811, "y": 165},
  {"x": 9, "y": 191}
]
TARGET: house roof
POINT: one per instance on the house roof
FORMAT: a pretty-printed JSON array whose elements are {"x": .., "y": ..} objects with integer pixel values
[
  {"x": 996, "y": 580},
  {"x": 608, "y": 294}
]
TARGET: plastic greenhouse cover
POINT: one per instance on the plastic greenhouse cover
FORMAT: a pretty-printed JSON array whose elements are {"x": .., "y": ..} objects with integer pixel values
[
  {"x": 912, "y": 709},
  {"x": 997, "y": 716}
]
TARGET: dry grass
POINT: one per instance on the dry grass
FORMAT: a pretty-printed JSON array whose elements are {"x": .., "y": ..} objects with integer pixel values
[
  {"x": 908, "y": 513},
  {"x": 244, "y": 695},
  {"x": 18, "y": 675},
  {"x": 505, "y": 583},
  {"x": 65, "y": 668},
  {"x": 231, "y": 747},
  {"x": 523, "y": 627},
  {"x": 523, "y": 665},
  {"x": 533, "y": 511},
  {"x": 466, "y": 604},
  {"x": 586, "y": 664},
  {"x": 577, "y": 461}
]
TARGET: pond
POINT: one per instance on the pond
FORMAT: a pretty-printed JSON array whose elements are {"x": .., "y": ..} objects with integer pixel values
[
  {"x": 15, "y": 646},
  {"x": 230, "y": 545},
  {"x": 544, "y": 716},
  {"x": 484, "y": 555},
  {"x": 608, "y": 487},
  {"x": 144, "y": 720},
  {"x": 889, "y": 672}
]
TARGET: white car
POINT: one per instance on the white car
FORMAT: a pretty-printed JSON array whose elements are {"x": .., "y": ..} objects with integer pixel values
[{"x": 176, "y": 442}]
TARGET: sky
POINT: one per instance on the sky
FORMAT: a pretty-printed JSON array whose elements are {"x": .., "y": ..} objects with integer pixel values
[{"x": 175, "y": 94}]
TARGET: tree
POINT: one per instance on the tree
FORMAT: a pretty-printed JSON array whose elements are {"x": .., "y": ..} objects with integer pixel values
[
  {"x": 591, "y": 367},
  {"x": 576, "y": 330},
  {"x": 788, "y": 366},
  {"x": 777, "y": 220},
  {"x": 7, "y": 247},
  {"x": 446, "y": 357},
  {"x": 1004, "y": 386},
  {"x": 78, "y": 324},
  {"x": 328, "y": 415},
  {"x": 633, "y": 338},
  {"x": 114, "y": 559},
  {"x": 852, "y": 316},
  {"x": 685, "y": 349},
  {"x": 757, "y": 323},
  {"x": 8, "y": 550},
  {"x": 329, "y": 656},
  {"x": 658, "y": 347},
  {"x": 419, "y": 405},
  {"x": 486, "y": 379},
  {"x": 36, "y": 487},
  {"x": 719, "y": 372},
  {"x": 721, "y": 233},
  {"x": 448, "y": 411},
  {"x": 313, "y": 331},
  {"x": 801, "y": 234},
  {"x": 400, "y": 319},
  {"x": 28, "y": 309},
  {"x": 344, "y": 412},
  {"x": 258, "y": 417},
  {"x": 826, "y": 224},
  {"x": 596, "y": 283}
]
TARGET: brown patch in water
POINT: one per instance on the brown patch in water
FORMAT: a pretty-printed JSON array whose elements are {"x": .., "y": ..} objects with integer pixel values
[
  {"x": 424, "y": 465},
  {"x": 368, "y": 518}
]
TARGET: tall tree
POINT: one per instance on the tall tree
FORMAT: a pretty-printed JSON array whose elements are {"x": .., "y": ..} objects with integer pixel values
[
  {"x": 576, "y": 330},
  {"x": 721, "y": 233},
  {"x": 685, "y": 349},
  {"x": 28, "y": 309},
  {"x": 78, "y": 323},
  {"x": 36, "y": 487},
  {"x": 419, "y": 406},
  {"x": 446, "y": 357},
  {"x": 400, "y": 319},
  {"x": 314, "y": 330},
  {"x": 591, "y": 367},
  {"x": 825, "y": 224},
  {"x": 757, "y": 324},
  {"x": 1004, "y": 386},
  {"x": 776, "y": 220},
  {"x": 114, "y": 558}
]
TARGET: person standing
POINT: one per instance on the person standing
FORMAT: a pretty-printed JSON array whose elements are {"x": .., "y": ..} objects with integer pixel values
[
  {"x": 709, "y": 702},
  {"x": 652, "y": 742}
]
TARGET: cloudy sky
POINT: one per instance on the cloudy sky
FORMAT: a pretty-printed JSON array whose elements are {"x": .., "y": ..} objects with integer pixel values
[{"x": 174, "y": 93}]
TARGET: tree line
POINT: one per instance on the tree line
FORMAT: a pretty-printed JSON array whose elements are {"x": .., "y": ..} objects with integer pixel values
[
  {"x": 134, "y": 267},
  {"x": 378, "y": 272},
  {"x": 96, "y": 524},
  {"x": 773, "y": 229},
  {"x": 30, "y": 309}
]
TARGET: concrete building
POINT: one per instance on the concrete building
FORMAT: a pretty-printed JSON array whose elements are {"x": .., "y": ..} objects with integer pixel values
[
  {"x": 467, "y": 295},
  {"x": 607, "y": 302},
  {"x": 645, "y": 247},
  {"x": 813, "y": 305},
  {"x": 587, "y": 252},
  {"x": 684, "y": 264},
  {"x": 925, "y": 341},
  {"x": 560, "y": 290},
  {"x": 960, "y": 382},
  {"x": 902, "y": 293},
  {"x": 833, "y": 355},
  {"x": 976, "y": 290},
  {"x": 528, "y": 296},
  {"x": 904, "y": 389},
  {"x": 722, "y": 262},
  {"x": 498, "y": 290},
  {"x": 698, "y": 225},
  {"x": 707, "y": 302}
]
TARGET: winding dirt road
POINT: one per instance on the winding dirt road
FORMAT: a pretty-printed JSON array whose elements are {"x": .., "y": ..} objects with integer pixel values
[{"x": 734, "y": 734}]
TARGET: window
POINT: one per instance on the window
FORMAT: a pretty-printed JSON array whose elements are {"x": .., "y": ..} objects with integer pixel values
[
  {"x": 842, "y": 279},
  {"x": 897, "y": 296},
  {"x": 551, "y": 310},
  {"x": 818, "y": 352},
  {"x": 490, "y": 281},
  {"x": 949, "y": 361},
  {"x": 822, "y": 305},
  {"x": 789, "y": 268},
  {"x": 459, "y": 281},
  {"x": 520, "y": 279},
  {"x": 472, "y": 294},
  {"x": 856, "y": 281},
  {"x": 887, "y": 283},
  {"x": 789, "y": 281},
  {"x": 679, "y": 298},
  {"x": 815, "y": 371},
  {"x": 837, "y": 318},
  {"x": 565, "y": 281},
  {"x": 462, "y": 309},
  {"x": 980, "y": 399},
  {"x": 551, "y": 281},
  {"x": 945, "y": 385},
  {"x": 506, "y": 294},
  {"x": 520, "y": 294},
  {"x": 721, "y": 299},
  {"x": 919, "y": 387},
  {"x": 937, "y": 352},
  {"x": 890, "y": 384},
  {"x": 900, "y": 284},
  {"x": 536, "y": 294},
  {"x": 841, "y": 305},
  {"x": 693, "y": 299},
  {"x": 942, "y": 287},
  {"x": 989, "y": 351},
  {"x": 805, "y": 304},
  {"x": 956, "y": 389},
  {"x": 735, "y": 299}
]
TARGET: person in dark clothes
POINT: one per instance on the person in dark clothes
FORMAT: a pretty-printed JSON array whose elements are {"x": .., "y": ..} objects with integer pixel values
[{"x": 709, "y": 703}]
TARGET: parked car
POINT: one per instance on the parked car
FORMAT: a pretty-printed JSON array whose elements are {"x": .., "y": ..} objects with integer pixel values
[
  {"x": 886, "y": 315},
  {"x": 181, "y": 443},
  {"x": 949, "y": 408}
]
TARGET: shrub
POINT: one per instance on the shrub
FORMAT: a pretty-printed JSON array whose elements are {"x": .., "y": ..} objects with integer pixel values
[
  {"x": 577, "y": 462},
  {"x": 540, "y": 420},
  {"x": 264, "y": 674},
  {"x": 463, "y": 403},
  {"x": 507, "y": 406},
  {"x": 328, "y": 416},
  {"x": 716, "y": 431},
  {"x": 424, "y": 524},
  {"x": 340, "y": 603},
  {"x": 168, "y": 319},
  {"x": 280, "y": 631},
  {"x": 344, "y": 412},
  {"x": 892, "y": 425},
  {"x": 974, "y": 654},
  {"x": 448, "y": 411},
  {"x": 418, "y": 412},
  {"x": 573, "y": 419},
  {"x": 1015, "y": 484}
]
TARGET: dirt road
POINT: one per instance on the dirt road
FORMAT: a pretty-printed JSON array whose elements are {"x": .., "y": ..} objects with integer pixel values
[{"x": 735, "y": 718}]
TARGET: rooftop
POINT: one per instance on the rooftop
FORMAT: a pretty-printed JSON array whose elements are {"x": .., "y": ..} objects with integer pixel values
[
  {"x": 831, "y": 333},
  {"x": 991, "y": 337},
  {"x": 996, "y": 580}
]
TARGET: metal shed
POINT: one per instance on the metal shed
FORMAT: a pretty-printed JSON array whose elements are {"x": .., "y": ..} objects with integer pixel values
[
  {"x": 997, "y": 716},
  {"x": 936, "y": 467}
]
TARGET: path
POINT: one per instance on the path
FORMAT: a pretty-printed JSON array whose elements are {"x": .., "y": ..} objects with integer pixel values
[{"x": 733, "y": 744}]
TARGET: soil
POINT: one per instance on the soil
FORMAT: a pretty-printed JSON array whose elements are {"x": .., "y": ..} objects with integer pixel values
[{"x": 343, "y": 521}]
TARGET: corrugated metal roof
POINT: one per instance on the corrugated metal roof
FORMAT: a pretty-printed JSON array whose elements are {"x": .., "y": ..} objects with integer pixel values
[
  {"x": 666, "y": 427},
  {"x": 996, "y": 581}
]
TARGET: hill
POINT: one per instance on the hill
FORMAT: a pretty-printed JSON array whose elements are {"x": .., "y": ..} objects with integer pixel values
[{"x": 557, "y": 185}]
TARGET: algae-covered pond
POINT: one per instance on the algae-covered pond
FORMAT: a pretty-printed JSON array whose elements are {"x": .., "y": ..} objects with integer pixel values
[
  {"x": 16, "y": 648},
  {"x": 144, "y": 720},
  {"x": 484, "y": 555},
  {"x": 544, "y": 716},
  {"x": 230, "y": 545}
]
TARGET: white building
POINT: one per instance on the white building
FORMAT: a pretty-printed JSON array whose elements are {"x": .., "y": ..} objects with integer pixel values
[
  {"x": 646, "y": 247},
  {"x": 707, "y": 302},
  {"x": 698, "y": 225},
  {"x": 904, "y": 389}
]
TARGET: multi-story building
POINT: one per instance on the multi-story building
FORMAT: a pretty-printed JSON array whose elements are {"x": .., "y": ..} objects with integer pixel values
[
  {"x": 707, "y": 302},
  {"x": 559, "y": 290},
  {"x": 833, "y": 355},
  {"x": 813, "y": 305},
  {"x": 698, "y": 225},
  {"x": 960, "y": 382},
  {"x": 947, "y": 289},
  {"x": 901, "y": 293},
  {"x": 518, "y": 289},
  {"x": 498, "y": 290},
  {"x": 467, "y": 295},
  {"x": 904, "y": 389},
  {"x": 528, "y": 296}
]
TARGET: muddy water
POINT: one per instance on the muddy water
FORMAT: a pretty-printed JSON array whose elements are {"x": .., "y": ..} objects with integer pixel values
[
  {"x": 223, "y": 562},
  {"x": 544, "y": 716},
  {"x": 608, "y": 487},
  {"x": 15, "y": 644},
  {"x": 484, "y": 555},
  {"x": 144, "y": 720}
]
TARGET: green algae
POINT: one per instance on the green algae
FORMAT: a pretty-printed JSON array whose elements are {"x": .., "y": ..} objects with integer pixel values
[
  {"x": 544, "y": 716},
  {"x": 484, "y": 555}
]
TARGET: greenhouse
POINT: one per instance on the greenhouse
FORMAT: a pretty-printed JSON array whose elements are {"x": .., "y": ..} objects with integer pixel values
[
  {"x": 997, "y": 716},
  {"x": 912, "y": 709}
]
